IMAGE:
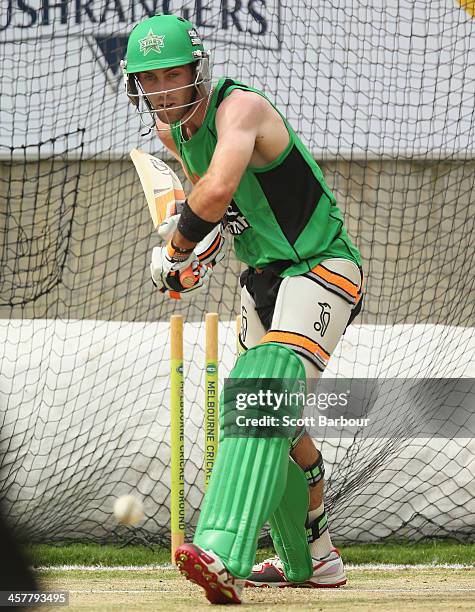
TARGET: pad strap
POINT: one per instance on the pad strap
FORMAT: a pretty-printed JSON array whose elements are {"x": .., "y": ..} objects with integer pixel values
[
  {"x": 317, "y": 527},
  {"x": 314, "y": 473}
]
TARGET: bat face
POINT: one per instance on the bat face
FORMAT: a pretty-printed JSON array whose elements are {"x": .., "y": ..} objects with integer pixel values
[
  {"x": 158, "y": 164},
  {"x": 160, "y": 173},
  {"x": 161, "y": 186},
  {"x": 164, "y": 194}
]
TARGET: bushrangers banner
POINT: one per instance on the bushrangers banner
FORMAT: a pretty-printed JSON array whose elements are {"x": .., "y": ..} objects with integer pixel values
[{"x": 356, "y": 79}]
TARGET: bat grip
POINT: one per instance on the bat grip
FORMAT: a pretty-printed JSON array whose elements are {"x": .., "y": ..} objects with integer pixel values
[{"x": 187, "y": 278}]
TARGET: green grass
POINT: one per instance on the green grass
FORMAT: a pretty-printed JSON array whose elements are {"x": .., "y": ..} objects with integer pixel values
[
  {"x": 96, "y": 554},
  {"x": 111, "y": 555},
  {"x": 430, "y": 552}
]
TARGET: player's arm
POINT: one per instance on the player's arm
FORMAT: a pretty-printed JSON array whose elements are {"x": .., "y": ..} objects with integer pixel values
[{"x": 237, "y": 123}]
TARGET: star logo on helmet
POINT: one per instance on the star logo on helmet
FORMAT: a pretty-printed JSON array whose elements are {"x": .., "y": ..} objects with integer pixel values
[{"x": 152, "y": 42}]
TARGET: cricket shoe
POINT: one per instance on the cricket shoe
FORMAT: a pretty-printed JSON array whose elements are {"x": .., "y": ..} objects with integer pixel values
[
  {"x": 327, "y": 572},
  {"x": 205, "y": 568}
]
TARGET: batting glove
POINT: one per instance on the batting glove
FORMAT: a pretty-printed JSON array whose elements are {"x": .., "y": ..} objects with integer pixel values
[
  {"x": 188, "y": 293},
  {"x": 167, "y": 266},
  {"x": 166, "y": 230},
  {"x": 210, "y": 250}
]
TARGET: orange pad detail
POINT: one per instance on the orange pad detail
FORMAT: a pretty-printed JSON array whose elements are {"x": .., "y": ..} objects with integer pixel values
[
  {"x": 338, "y": 280},
  {"x": 292, "y": 338}
]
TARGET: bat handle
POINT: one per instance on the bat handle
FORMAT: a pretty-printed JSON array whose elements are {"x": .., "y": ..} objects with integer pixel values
[{"x": 187, "y": 278}]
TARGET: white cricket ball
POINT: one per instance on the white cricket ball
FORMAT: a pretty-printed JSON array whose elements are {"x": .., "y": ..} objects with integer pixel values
[{"x": 128, "y": 510}]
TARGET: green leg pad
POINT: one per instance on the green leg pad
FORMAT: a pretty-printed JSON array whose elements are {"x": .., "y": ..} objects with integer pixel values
[
  {"x": 250, "y": 474},
  {"x": 288, "y": 526}
]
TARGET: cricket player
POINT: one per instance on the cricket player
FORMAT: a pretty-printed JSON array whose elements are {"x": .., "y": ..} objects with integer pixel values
[{"x": 254, "y": 180}]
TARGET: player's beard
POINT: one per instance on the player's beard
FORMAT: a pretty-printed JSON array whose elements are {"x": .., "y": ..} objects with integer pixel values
[{"x": 170, "y": 114}]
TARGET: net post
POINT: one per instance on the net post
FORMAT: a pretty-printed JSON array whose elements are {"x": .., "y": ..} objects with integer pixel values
[
  {"x": 177, "y": 494},
  {"x": 211, "y": 394}
]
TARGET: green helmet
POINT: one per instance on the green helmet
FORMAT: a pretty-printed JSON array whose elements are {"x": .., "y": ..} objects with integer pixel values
[{"x": 162, "y": 41}]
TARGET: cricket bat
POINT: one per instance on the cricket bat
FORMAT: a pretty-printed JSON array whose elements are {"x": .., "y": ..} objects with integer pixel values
[{"x": 164, "y": 194}]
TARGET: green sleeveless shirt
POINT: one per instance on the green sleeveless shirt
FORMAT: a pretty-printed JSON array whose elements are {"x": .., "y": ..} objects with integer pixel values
[{"x": 282, "y": 215}]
